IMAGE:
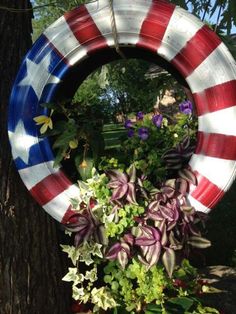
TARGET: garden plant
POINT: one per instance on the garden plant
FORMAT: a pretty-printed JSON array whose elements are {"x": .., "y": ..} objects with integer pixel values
[{"x": 131, "y": 226}]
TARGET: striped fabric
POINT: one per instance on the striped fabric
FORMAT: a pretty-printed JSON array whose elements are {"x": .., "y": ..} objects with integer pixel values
[{"x": 152, "y": 25}]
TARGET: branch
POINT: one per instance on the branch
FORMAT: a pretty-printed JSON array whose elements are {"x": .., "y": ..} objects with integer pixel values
[
  {"x": 206, "y": 9},
  {"x": 218, "y": 17},
  {"x": 14, "y": 10}
]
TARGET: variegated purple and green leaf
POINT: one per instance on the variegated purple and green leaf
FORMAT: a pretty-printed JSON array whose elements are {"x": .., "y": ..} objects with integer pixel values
[{"x": 123, "y": 185}]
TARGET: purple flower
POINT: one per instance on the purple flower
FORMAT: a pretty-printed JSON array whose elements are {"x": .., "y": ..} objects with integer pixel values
[
  {"x": 186, "y": 107},
  {"x": 157, "y": 120},
  {"x": 140, "y": 115},
  {"x": 130, "y": 133},
  {"x": 128, "y": 124},
  {"x": 143, "y": 133}
]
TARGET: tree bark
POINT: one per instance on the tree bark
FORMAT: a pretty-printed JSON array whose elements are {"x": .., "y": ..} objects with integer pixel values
[{"x": 31, "y": 265}]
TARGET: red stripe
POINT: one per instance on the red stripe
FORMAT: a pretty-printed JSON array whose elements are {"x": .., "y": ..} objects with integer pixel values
[
  {"x": 206, "y": 192},
  {"x": 216, "y": 145},
  {"x": 155, "y": 24},
  {"x": 47, "y": 189},
  {"x": 216, "y": 98},
  {"x": 197, "y": 49},
  {"x": 85, "y": 30}
]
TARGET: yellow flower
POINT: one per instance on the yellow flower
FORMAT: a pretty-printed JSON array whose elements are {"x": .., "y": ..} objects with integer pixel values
[{"x": 45, "y": 121}]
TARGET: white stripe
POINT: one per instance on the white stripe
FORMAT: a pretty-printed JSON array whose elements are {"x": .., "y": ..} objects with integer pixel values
[
  {"x": 33, "y": 175},
  {"x": 60, "y": 204},
  {"x": 219, "y": 67},
  {"x": 197, "y": 205},
  {"x": 220, "y": 122},
  {"x": 220, "y": 172},
  {"x": 63, "y": 39},
  {"x": 129, "y": 17},
  {"x": 181, "y": 28}
]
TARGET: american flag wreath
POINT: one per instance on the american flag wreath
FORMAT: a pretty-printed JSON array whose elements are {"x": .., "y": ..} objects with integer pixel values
[{"x": 82, "y": 40}]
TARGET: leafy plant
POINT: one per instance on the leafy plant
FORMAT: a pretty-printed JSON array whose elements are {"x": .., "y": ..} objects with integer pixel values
[{"x": 134, "y": 226}]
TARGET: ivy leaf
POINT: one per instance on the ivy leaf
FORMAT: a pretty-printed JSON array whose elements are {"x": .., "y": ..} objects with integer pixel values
[
  {"x": 103, "y": 298},
  {"x": 97, "y": 250},
  {"x": 73, "y": 253},
  {"x": 73, "y": 276},
  {"x": 77, "y": 293},
  {"x": 91, "y": 275}
]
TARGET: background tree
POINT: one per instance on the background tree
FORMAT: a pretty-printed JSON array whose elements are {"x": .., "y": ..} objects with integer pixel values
[
  {"x": 123, "y": 87},
  {"x": 220, "y": 13},
  {"x": 31, "y": 266}
]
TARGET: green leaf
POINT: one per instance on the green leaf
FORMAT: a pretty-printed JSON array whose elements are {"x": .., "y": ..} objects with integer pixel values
[
  {"x": 85, "y": 167},
  {"x": 115, "y": 311},
  {"x": 185, "y": 302},
  {"x": 97, "y": 144},
  {"x": 59, "y": 157},
  {"x": 64, "y": 139},
  {"x": 153, "y": 308},
  {"x": 49, "y": 105}
]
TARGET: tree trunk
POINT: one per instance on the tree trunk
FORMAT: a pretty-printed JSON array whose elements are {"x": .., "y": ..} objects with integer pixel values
[{"x": 31, "y": 265}]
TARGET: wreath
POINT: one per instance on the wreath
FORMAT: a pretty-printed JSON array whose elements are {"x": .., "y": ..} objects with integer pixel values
[{"x": 57, "y": 63}]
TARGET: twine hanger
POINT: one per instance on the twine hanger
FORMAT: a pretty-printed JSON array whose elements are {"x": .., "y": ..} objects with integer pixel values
[{"x": 114, "y": 31}]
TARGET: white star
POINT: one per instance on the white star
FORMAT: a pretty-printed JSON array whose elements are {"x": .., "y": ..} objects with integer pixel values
[
  {"x": 21, "y": 142},
  {"x": 38, "y": 75}
]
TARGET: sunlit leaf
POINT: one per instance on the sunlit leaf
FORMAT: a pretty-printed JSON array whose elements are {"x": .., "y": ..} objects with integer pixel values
[
  {"x": 168, "y": 260},
  {"x": 199, "y": 242}
]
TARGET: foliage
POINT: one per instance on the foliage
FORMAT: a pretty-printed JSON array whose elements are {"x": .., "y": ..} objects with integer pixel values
[
  {"x": 118, "y": 87},
  {"x": 128, "y": 87},
  {"x": 133, "y": 226},
  {"x": 74, "y": 131},
  {"x": 146, "y": 153},
  {"x": 132, "y": 231},
  {"x": 48, "y": 14},
  {"x": 225, "y": 10}
]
